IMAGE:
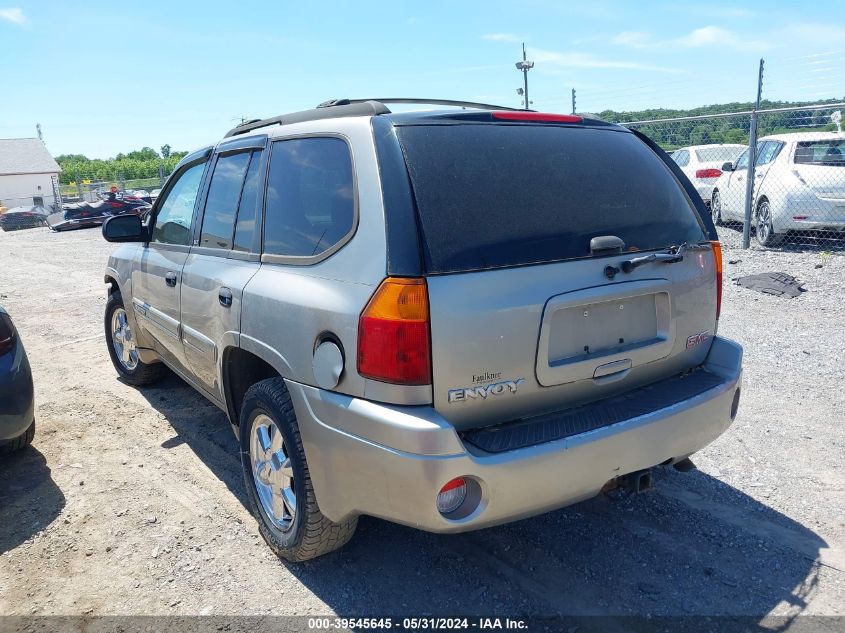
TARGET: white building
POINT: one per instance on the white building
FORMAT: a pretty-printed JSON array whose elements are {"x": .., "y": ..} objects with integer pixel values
[{"x": 28, "y": 173}]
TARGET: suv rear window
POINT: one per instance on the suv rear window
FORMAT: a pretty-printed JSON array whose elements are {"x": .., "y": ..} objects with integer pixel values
[{"x": 493, "y": 196}]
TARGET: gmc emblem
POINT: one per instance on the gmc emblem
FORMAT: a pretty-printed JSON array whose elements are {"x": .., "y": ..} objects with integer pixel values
[{"x": 695, "y": 339}]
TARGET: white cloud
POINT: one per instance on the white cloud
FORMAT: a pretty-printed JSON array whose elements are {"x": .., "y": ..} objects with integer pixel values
[
  {"x": 13, "y": 14},
  {"x": 823, "y": 36},
  {"x": 637, "y": 39},
  {"x": 706, "y": 36},
  {"x": 717, "y": 36},
  {"x": 585, "y": 60},
  {"x": 500, "y": 37}
]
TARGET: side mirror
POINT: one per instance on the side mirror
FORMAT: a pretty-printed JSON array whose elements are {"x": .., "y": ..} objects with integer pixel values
[
  {"x": 727, "y": 166},
  {"x": 125, "y": 228}
]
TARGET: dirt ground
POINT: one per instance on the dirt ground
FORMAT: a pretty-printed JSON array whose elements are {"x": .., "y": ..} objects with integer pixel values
[{"x": 131, "y": 501}]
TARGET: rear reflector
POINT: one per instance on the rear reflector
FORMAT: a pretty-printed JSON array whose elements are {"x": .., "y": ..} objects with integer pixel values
[
  {"x": 393, "y": 334},
  {"x": 508, "y": 115},
  {"x": 708, "y": 173},
  {"x": 452, "y": 495},
  {"x": 717, "y": 257}
]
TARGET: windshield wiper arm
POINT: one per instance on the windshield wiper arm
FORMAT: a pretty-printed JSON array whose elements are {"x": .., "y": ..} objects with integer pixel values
[
  {"x": 671, "y": 255},
  {"x": 629, "y": 265}
]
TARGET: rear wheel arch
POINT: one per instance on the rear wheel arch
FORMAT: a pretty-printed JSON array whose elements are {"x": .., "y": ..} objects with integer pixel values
[{"x": 241, "y": 369}]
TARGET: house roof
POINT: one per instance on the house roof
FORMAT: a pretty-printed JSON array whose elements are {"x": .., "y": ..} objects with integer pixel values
[{"x": 25, "y": 156}]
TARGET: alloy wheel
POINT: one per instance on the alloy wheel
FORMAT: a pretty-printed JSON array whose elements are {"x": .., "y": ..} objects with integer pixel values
[
  {"x": 123, "y": 340},
  {"x": 272, "y": 472}
]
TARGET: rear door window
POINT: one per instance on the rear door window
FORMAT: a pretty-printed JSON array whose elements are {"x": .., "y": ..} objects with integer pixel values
[
  {"x": 248, "y": 207},
  {"x": 222, "y": 201},
  {"x": 493, "y": 196},
  {"x": 768, "y": 152}
]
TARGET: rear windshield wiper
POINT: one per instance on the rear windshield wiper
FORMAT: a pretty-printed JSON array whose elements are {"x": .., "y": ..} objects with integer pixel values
[{"x": 671, "y": 255}]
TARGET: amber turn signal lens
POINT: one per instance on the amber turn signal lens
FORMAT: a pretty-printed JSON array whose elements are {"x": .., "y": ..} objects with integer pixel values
[
  {"x": 393, "y": 333},
  {"x": 717, "y": 257}
]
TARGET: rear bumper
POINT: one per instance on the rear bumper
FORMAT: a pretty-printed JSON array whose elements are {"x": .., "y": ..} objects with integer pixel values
[
  {"x": 704, "y": 189},
  {"x": 808, "y": 212},
  {"x": 390, "y": 462}
]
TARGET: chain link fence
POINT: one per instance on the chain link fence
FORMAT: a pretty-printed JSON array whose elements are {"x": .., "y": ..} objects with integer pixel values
[
  {"x": 90, "y": 189},
  {"x": 788, "y": 190}
]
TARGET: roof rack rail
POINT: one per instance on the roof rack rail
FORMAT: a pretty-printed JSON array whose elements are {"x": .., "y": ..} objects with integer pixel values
[
  {"x": 352, "y": 107},
  {"x": 358, "y": 108},
  {"x": 447, "y": 102}
]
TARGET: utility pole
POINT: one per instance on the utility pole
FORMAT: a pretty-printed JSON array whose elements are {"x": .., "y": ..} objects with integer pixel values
[
  {"x": 573, "y": 101},
  {"x": 525, "y": 66},
  {"x": 752, "y": 159}
]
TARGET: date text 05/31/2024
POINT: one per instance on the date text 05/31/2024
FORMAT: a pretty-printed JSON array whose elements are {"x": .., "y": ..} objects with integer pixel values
[{"x": 414, "y": 624}]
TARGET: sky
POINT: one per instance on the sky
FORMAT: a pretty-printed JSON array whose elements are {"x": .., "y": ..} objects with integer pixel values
[{"x": 108, "y": 77}]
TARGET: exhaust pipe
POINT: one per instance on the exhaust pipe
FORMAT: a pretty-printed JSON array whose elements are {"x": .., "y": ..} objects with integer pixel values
[
  {"x": 637, "y": 481},
  {"x": 685, "y": 465}
]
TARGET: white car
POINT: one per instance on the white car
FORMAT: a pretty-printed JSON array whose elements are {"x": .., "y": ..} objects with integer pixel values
[
  {"x": 702, "y": 164},
  {"x": 799, "y": 185}
]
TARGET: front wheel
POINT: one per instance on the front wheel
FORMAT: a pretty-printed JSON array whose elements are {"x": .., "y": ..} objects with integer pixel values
[
  {"x": 764, "y": 228},
  {"x": 277, "y": 479},
  {"x": 123, "y": 349}
]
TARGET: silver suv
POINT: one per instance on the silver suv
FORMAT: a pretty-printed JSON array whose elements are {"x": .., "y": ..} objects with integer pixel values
[{"x": 449, "y": 319}]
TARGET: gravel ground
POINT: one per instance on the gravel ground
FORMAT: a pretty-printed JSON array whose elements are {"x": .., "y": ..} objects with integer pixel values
[{"x": 131, "y": 501}]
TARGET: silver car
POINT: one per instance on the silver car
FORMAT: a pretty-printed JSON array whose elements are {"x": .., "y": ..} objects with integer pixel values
[{"x": 448, "y": 319}]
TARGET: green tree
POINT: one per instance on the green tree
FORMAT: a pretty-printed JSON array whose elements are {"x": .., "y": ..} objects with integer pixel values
[
  {"x": 143, "y": 163},
  {"x": 165, "y": 151}
]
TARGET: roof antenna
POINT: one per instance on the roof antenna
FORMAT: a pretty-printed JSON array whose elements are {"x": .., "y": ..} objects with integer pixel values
[{"x": 38, "y": 127}]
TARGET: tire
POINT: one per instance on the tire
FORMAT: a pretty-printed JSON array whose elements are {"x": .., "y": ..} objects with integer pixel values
[
  {"x": 134, "y": 371},
  {"x": 304, "y": 533},
  {"x": 764, "y": 229},
  {"x": 21, "y": 441},
  {"x": 716, "y": 208}
]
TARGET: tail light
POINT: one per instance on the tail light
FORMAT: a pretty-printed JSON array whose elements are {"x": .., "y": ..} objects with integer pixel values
[
  {"x": 7, "y": 334},
  {"x": 717, "y": 257},
  {"x": 708, "y": 173},
  {"x": 507, "y": 115},
  {"x": 393, "y": 333}
]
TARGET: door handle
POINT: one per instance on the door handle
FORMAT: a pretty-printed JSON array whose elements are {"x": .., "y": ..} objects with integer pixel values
[
  {"x": 225, "y": 297},
  {"x": 170, "y": 279}
]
